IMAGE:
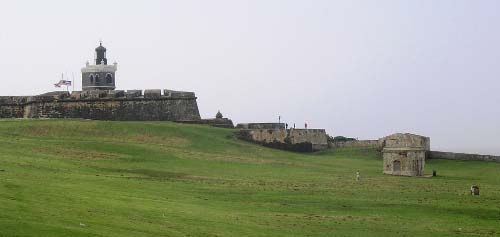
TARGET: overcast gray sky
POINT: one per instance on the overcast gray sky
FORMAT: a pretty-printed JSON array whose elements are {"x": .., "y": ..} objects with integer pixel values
[{"x": 357, "y": 68}]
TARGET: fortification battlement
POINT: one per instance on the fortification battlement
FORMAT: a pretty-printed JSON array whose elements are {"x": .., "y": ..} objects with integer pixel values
[
  {"x": 99, "y": 100},
  {"x": 308, "y": 130},
  {"x": 14, "y": 100},
  {"x": 261, "y": 126},
  {"x": 304, "y": 140},
  {"x": 149, "y": 94}
]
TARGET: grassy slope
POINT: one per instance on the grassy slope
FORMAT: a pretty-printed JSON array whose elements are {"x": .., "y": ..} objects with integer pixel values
[{"x": 166, "y": 179}]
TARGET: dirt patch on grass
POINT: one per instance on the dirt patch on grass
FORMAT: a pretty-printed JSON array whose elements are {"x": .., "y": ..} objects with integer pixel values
[
  {"x": 322, "y": 217},
  {"x": 75, "y": 153},
  {"x": 145, "y": 173},
  {"x": 157, "y": 140},
  {"x": 156, "y": 173},
  {"x": 233, "y": 157},
  {"x": 64, "y": 128}
]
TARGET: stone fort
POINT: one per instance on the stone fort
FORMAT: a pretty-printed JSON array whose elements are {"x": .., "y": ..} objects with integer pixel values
[
  {"x": 100, "y": 100},
  {"x": 403, "y": 154}
]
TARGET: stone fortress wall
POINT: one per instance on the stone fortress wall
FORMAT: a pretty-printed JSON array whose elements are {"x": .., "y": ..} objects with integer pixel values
[
  {"x": 131, "y": 105},
  {"x": 276, "y": 136},
  {"x": 461, "y": 156},
  {"x": 214, "y": 122},
  {"x": 357, "y": 144},
  {"x": 260, "y": 126},
  {"x": 100, "y": 101}
]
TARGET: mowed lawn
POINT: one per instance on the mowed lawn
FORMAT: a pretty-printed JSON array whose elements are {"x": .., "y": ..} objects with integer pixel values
[{"x": 95, "y": 178}]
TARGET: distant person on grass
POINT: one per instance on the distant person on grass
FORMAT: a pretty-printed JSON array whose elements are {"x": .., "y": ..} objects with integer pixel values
[
  {"x": 358, "y": 177},
  {"x": 474, "y": 190}
]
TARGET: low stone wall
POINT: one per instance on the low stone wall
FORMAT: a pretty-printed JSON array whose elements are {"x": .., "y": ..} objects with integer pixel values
[
  {"x": 461, "y": 156},
  {"x": 263, "y": 135},
  {"x": 105, "y": 105},
  {"x": 220, "y": 123},
  {"x": 260, "y": 126},
  {"x": 357, "y": 143},
  {"x": 302, "y": 140},
  {"x": 12, "y": 106},
  {"x": 11, "y": 111},
  {"x": 317, "y": 137}
]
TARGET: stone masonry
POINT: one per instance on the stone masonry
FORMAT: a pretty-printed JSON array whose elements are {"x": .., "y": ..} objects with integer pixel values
[
  {"x": 100, "y": 101},
  {"x": 105, "y": 105},
  {"x": 302, "y": 140},
  {"x": 404, "y": 154}
]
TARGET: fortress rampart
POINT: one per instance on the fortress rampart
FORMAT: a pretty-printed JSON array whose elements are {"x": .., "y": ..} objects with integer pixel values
[
  {"x": 303, "y": 140},
  {"x": 260, "y": 126},
  {"x": 216, "y": 122},
  {"x": 131, "y": 105},
  {"x": 100, "y": 101},
  {"x": 358, "y": 144},
  {"x": 461, "y": 156}
]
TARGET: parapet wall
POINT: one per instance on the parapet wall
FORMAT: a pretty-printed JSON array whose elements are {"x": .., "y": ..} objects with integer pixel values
[
  {"x": 461, "y": 156},
  {"x": 397, "y": 140},
  {"x": 317, "y": 137},
  {"x": 216, "y": 122},
  {"x": 304, "y": 140},
  {"x": 358, "y": 144},
  {"x": 261, "y": 126},
  {"x": 131, "y": 105}
]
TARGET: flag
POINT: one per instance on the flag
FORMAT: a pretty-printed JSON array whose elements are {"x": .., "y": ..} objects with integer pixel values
[{"x": 63, "y": 83}]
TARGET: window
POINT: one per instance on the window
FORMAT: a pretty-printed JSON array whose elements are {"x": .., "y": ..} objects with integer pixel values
[
  {"x": 109, "y": 78},
  {"x": 91, "y": 78},
  {"x": 97, "y": 78}
]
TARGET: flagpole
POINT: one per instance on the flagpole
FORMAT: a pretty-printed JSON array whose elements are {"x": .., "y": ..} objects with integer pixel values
[{"x": 67, "y": 90}]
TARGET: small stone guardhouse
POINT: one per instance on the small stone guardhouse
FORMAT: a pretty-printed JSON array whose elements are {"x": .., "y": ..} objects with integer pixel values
[{"x": 404, "y": 154}]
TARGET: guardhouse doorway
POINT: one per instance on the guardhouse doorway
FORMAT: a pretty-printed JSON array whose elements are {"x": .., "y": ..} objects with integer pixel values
[{"x": 396, "y": 166}]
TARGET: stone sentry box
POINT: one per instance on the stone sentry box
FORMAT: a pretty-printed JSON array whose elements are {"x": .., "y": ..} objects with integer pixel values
[{"x": 404, "y": 154}]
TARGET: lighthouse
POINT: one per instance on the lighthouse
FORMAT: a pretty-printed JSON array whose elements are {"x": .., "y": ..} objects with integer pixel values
[{"x": 99, "y": 76}]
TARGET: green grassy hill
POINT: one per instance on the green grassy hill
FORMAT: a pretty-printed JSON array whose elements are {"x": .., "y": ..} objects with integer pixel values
[{"x": 90, "y": 178}]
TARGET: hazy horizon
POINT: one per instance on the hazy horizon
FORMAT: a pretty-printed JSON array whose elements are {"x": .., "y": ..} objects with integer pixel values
[{"x": 361, "y": 69}]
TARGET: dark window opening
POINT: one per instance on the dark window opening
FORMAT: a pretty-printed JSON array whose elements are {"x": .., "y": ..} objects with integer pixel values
[
  {"x": 96, "y": 78},
  {"x": 109, "y": 78},
  {"x": 91, "y": 78}
]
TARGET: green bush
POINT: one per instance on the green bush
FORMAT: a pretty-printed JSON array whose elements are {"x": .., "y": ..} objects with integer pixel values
[{"x": 340, "y": 139}]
